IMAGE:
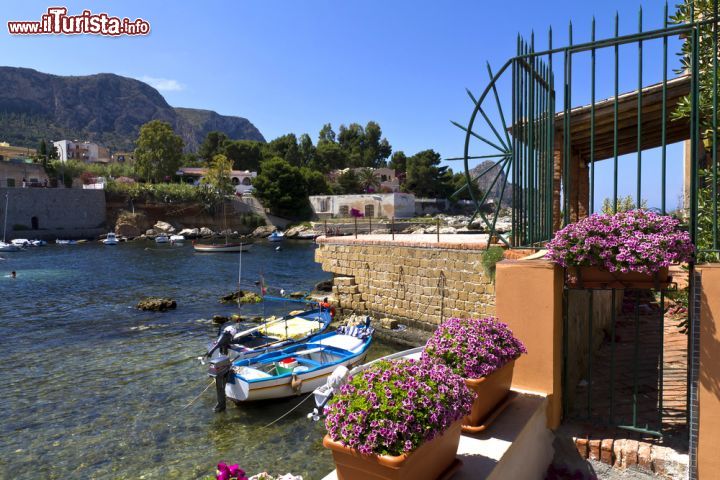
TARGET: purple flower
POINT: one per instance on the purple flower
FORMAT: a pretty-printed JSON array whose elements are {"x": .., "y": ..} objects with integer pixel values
[
  {"x": 638, "y": 241},
  {"x": 393, "y": 407},
  {"x": 473, "y": 348},
  {"x": 225, "y": 472}
]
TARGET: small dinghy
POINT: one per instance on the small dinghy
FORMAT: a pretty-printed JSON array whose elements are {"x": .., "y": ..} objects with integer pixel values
[
  {"x": 292, "y": 371},
  {"x": 297, "y": 369},
  {"x": 110, "y": 239},
  {"x": 276, "y": 236},
  {"x": 272, "y": 335},
  {"x": 221, "y": 247}
]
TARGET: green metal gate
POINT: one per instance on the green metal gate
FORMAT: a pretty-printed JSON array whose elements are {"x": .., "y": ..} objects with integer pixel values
[{"x": 542, "y": 164}]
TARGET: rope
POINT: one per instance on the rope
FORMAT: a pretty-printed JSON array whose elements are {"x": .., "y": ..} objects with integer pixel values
[
  {"x": 194, "y": 399},
  {"x": 288, "y": 413}
]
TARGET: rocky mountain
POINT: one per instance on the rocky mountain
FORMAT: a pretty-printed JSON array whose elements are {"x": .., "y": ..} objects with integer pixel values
[
  {"x": 487, "y": 180},
  {"x": 105, "y": 108}
]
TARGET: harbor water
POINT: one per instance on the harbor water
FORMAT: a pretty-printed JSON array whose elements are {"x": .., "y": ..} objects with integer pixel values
[{"x": 93, "y": 388}]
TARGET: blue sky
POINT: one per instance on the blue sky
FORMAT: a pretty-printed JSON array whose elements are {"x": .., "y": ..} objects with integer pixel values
[{"x": 291, "y": 66}]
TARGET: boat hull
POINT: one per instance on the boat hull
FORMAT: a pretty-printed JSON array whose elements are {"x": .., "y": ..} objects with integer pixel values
[
  {"x": 9, "y": 247},
  {"x": 222, "y": 248},
  {"x": 281, "y": 387}
]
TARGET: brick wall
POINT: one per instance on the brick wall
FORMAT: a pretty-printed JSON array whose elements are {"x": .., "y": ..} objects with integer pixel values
[{"x": 411, "y": 282}]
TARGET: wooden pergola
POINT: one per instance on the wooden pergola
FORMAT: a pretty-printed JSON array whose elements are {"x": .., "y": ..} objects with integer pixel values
[{"x": 583, "y": 152}]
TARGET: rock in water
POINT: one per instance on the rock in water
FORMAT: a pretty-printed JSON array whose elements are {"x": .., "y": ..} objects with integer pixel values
[
  {"x": 388, "y": 323},
  {"x": 220, "y": 319},
  {"x": 156, "y": 304},
  {"x": 263, "y": 231},
  {"x": 206, "y": 232},
  {"x": 242, "y": 297},
  {"x": 190, "y": 232},
  {"x": 298, "y": 294},
  {"x": 163, "y": 227}
]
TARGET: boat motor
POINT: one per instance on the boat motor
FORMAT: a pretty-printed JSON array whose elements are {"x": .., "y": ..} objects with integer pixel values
[
  {"x": 324, "y": 393},
  {"x": 223, "y": 341},
  {"x": 219, "y": 369}
]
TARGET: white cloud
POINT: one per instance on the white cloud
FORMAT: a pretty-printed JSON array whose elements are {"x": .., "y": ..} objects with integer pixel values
[{"x": 163, "y": 84}]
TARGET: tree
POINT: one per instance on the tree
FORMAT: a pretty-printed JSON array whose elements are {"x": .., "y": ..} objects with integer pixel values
[
  {"x": 329, "y": 156},
  {"x": 368, "y": 180},
  {"x": 624, "y": 204},
  {"x": 327, "y": 134},
  {"x": 425, "y": 176},
  {"x": 281, "y": 188},
  {"x": 244, "y": 154},
  {"x": 307, "y": 150},
  {"x": 158, "y": 152},
  {"x": 398, "y": 162},
  {"x": 348, "y": 183},
  {"x": 315, "y": 182},
  {"x": 212, "y": 145},
  {"x": 285, "y": 147},
  {"x": 218, "y": 176},
  {"x": 460, "y": 190}
]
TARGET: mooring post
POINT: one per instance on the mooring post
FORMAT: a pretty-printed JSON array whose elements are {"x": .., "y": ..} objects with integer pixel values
[
  {"x": 437, "y": 228},
  {"x": 326, "y": 228},
  {"x": 355, "y": 227},
  {"x": 392, "y": 227}
]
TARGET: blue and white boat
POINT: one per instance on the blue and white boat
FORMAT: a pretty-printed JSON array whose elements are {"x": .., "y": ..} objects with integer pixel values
[
  {"x": 297, "y": 369},
  {"x": 276, "y": 236},
  {"x": 272, "y": 335}
]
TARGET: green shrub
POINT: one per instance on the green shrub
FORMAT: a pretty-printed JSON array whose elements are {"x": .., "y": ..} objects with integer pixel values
[{"x": 490, "y": 258}]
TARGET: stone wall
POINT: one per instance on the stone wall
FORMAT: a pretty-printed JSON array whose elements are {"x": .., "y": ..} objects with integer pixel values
[
  {"x": 411, "y": 281},
  {"x": 50, "y": 213}
]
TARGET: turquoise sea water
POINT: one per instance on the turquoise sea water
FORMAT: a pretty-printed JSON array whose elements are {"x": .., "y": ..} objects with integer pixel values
[{"x": 93, "y": 388}]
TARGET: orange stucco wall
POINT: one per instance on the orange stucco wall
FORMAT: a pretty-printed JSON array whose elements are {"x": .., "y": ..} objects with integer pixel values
[
  {"x": 528, "y": 297},
  {"x": 708, "y": 463}
]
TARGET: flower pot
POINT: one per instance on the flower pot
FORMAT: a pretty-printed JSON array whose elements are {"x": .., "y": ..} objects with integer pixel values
[
  {"x": 430, "y": 461},
  {"x": 598, "y": 277},
  {"x": 491, "y": 392}
]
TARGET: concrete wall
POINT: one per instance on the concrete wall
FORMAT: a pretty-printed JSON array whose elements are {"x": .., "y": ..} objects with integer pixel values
[
  {"x": 60, "y": 212},
  {"x": 15, "y": 172},
  {"x": 708, "y": 388},
  {"x": 404, "y": 280},
  {"x": 529, "y": 300}
]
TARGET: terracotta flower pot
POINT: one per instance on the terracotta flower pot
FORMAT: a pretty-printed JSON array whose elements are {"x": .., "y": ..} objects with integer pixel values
[
  {"x": 491, "y": 392},
  {"x": 598, "y": 277},
  {"x": 430, "y": 461}
]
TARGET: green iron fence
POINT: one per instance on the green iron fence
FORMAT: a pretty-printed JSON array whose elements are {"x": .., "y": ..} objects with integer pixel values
[{"x": 544, "y": 165}]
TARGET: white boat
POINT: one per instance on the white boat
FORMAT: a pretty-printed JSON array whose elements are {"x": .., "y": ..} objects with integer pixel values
[
  {"x": 20, "y": 242},
  {"x": 65, "y": 242},
  {"x": 162, "y": 238},
  {"x": 276, "y": 236},
  {"x": 8, "y": 247},
  {"x": 110, "y": 239},
  {"x": 177, "y": 238},
  {"x": 297, "y": 369},
  {"x": 38, "y": 243},
  {"x": 221, "y": 247},
  {"x": 341, "y": 375}
]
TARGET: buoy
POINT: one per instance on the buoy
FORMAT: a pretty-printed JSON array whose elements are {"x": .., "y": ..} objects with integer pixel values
[{"x": 277, "y": 249}]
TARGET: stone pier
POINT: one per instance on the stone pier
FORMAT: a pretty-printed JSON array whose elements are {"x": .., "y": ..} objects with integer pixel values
[{"x": 414, "y": 278}]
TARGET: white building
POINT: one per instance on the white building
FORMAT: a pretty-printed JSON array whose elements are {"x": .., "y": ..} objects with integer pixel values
[
  {"x": 375, "y": 205},
  {"x": 241, "y": 179},
  {"x": 83, "y": 151}
]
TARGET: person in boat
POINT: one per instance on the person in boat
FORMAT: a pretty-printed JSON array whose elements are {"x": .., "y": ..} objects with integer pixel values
[
  {"x": 325, "y": 305},
  {"x": 13, "y": 274}
]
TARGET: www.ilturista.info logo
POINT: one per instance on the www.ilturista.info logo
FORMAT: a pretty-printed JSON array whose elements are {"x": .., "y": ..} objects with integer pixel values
[{"x": 57, "y": 22}]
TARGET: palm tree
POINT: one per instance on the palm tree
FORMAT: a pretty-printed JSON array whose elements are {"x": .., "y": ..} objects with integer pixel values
[{"x": 368, "y": 180}]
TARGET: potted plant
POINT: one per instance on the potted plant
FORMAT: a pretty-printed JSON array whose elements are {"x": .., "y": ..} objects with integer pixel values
[
  {"x": 625, "y": 249},
  {"x": 482, "y": 351},
  {"x": 398, "y": 419}
]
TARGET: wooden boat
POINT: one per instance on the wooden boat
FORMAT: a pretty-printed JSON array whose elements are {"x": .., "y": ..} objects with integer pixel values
[
  {"x": 272, "y": 335},
  {"x": 221, "y": 247},
  {"x": 297, "y": 369}
]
